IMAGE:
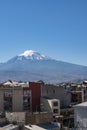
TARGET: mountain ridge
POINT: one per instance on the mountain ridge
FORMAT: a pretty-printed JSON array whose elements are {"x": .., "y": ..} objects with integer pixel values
[{"x": 34, "y": 66}]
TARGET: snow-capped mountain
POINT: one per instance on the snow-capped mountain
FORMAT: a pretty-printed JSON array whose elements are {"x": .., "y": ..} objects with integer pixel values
[
  {"x": 33, "y": 55},
  {"x": 29, "y": 55},
  {"x": 33, "y": 66}
]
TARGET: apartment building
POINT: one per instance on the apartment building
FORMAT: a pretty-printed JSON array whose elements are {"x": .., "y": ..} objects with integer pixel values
[
  {"x": 57, "y": 92},
  {"x": 18, "y": 97}
]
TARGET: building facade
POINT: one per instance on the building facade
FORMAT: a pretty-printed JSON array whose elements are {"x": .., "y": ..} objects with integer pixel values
[
  {"x": 20, "y": 97},
  {"x": 51, "y": 105},
  {"x": 57, "y": 92}
]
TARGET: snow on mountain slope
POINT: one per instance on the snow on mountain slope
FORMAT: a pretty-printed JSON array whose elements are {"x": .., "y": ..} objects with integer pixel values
[{"x": 33, "y": 55}]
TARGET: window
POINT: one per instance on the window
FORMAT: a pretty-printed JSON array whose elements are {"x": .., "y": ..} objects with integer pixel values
[
  {"x": 47, "y": 90},
  {"x": 55, "y": 110},
  {"x": 74, "y": 97},
  {"x": 27, "y": 93},
  {"x": 8, "y": 100},
  {"x": 53, "y": 90},
  {"x": 55, "y": 103},
  {"x": 8, "y": 93}
]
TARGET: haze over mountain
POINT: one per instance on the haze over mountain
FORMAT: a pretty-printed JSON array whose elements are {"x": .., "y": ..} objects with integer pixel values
[{"x": 33, "y": 66}]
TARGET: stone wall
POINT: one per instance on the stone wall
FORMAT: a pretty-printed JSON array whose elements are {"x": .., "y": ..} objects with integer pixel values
[{"x": 38, "y": 118}]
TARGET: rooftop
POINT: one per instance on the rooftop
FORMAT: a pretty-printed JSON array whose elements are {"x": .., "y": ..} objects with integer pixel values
[
  {"x": 48, "y": 126},
  {"x": 34, "y": 127},
  {"x": 84, "y": 104},
  {"x": 14, "y": 84},
  {"x": 8, "y": 127},
  {"x": 48, "y": 98}
]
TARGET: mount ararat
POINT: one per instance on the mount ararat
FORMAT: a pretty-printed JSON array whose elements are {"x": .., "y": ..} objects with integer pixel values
[{"x": 33, "y": 66}]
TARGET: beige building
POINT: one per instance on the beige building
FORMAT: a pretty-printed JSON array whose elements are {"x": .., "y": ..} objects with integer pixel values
[
  {"x": 20, "y": 96},
  {"x": 15, "y": 98},
  {"x": 57, "y": 92},
  {"x": 51, "y": 106}
]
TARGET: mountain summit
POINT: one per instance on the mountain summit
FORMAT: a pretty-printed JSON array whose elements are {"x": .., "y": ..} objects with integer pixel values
[
  {"x": 33, "y": 55},
  {"x": 27, "y": 56}
]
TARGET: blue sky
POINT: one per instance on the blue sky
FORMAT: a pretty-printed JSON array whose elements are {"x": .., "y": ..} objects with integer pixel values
[{"x": 56, "y": 28}]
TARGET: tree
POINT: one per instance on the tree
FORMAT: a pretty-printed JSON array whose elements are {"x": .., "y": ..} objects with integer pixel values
[{"x": 69, "y": 124}]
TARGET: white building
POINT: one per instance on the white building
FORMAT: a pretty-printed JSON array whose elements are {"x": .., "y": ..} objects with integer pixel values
[
  {"x": 51, "y": 105},
  {"x": 80, "y": 116}
]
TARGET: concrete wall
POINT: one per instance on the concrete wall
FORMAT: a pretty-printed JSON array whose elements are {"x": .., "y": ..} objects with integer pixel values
[
  {"x": 57, "y": 92},
  {"x": 17, "y": 100},
  {"x": 38, "y": 118},
  {"x": 16, "y": 116}
]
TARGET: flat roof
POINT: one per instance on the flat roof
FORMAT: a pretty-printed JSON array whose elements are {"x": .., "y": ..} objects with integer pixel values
[
  {"x": 8, "y": 127},
  {"x": 14, "y": 84},
  {"x": 48, "y": 98},
  {"x": 47, "y": 126},
  {"x": 34, "y": 127},
  {"x": 50, "y": 126},
  {"x": 84, "y": 104}
]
